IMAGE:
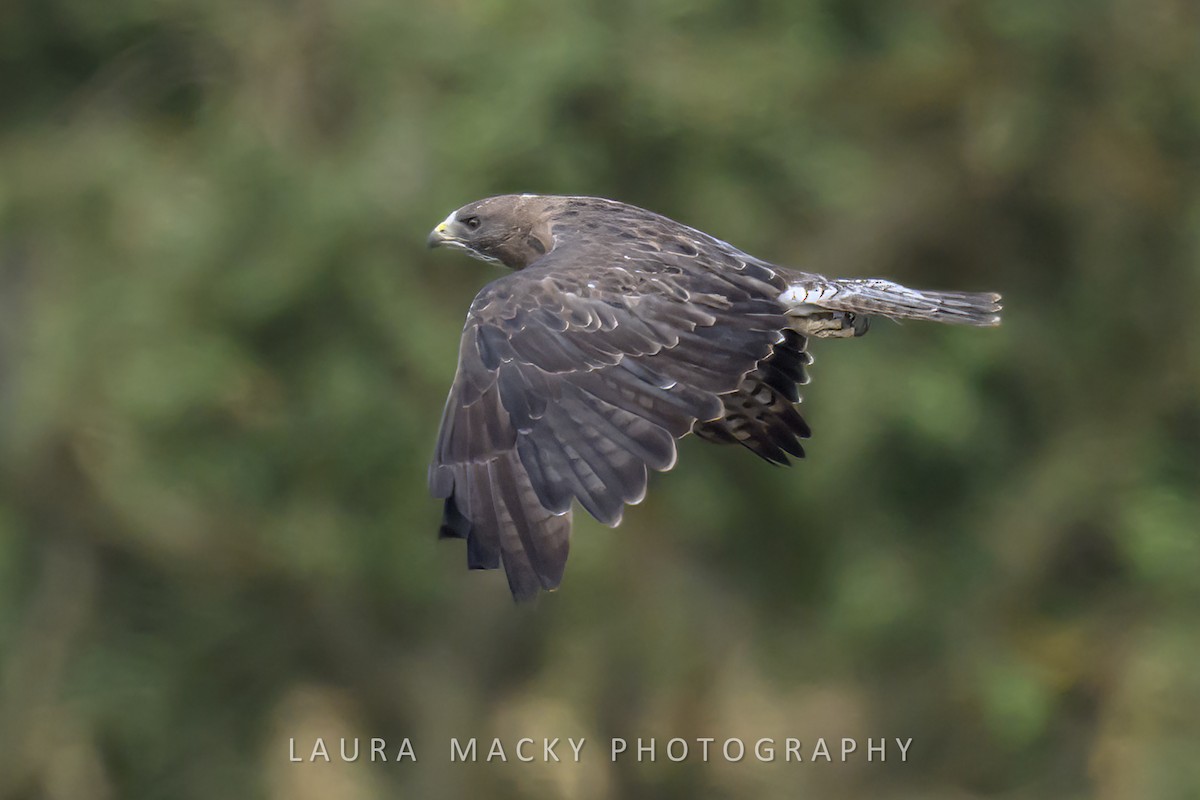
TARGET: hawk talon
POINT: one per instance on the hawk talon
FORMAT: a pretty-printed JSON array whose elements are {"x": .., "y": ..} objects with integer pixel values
[{"x": 832, "y": 324}]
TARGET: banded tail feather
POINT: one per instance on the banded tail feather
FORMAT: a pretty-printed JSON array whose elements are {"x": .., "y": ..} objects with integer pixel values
[{"x": 813, "y": 296}]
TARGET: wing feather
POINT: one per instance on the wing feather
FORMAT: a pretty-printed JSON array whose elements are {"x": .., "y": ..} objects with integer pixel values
[{"x": 575, "y": 378}]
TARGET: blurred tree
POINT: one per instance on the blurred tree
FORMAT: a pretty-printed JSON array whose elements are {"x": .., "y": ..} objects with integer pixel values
[{"x": 223, "y": 350}]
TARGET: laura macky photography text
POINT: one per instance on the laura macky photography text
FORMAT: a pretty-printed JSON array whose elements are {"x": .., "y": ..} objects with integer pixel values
[{"x": 471, "y": 750}]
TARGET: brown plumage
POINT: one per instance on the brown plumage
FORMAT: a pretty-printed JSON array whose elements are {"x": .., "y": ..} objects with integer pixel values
[{"x": 619, "y": 332}]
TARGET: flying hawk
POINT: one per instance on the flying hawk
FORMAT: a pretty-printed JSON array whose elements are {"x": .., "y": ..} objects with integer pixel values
[{"x": 618, "y": 332}]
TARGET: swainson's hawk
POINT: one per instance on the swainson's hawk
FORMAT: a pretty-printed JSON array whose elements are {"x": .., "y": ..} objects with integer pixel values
[{"x": 619, "y": 332}]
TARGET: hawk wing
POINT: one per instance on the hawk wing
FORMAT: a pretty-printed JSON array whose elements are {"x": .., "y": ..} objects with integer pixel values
[{"x": 575, "y": 377}]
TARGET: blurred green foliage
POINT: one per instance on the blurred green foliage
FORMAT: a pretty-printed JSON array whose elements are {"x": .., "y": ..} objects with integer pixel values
[{"x": 224, "y": 349}]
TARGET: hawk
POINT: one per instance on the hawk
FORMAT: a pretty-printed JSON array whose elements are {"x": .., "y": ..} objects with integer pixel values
[{"x": 618, "y": 332}]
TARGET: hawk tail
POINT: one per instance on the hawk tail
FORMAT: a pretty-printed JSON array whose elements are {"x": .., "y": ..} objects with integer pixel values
[{"x": 876, "y": 297}]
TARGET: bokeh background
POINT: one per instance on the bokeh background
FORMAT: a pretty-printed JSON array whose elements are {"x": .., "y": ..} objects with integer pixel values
[{"x": 224, "y": 350}]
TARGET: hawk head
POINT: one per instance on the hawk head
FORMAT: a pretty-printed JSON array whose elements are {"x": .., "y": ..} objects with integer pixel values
[{"x": 511, "y": 229}]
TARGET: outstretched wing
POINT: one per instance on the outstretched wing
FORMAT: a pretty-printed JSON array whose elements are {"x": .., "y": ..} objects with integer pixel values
[{"x": 575, "y": 377}]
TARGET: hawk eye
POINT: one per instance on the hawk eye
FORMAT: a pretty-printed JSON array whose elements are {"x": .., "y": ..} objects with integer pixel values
[{"x": 471, "y": 222}]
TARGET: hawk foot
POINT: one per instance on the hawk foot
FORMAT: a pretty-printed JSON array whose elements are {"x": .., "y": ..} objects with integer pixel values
[{"x": 831, "y": 324}]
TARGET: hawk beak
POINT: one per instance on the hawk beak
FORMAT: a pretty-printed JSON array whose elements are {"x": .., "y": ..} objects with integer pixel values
[{"x": 439, "y": 236}]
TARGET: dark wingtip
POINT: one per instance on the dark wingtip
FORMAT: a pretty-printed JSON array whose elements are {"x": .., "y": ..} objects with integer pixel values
[
  {"x": 523, "y": 584},
  {"x": 454, "y": 524}
]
